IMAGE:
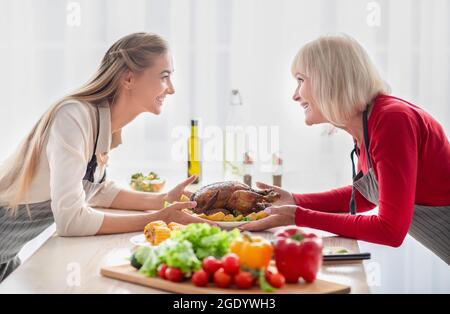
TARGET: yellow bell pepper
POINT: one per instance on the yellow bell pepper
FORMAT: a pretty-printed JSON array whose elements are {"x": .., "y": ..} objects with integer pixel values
[{"x": 253, "y": 251}]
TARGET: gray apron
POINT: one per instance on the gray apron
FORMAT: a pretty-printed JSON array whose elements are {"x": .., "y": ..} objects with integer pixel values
[
  {"x": 32, "y": 219},
  {"x": 430, "y": 225}
]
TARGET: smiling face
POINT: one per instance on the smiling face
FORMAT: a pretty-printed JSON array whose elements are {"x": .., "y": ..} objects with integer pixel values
[
  {"x": 149, "y": 88},
  {"x": 303, "y": 95}
]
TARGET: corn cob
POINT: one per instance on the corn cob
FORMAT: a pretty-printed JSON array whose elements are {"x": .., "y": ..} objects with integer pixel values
[
  {"x": 160, "y": 234},
  {"x": 156, "y": 231}
]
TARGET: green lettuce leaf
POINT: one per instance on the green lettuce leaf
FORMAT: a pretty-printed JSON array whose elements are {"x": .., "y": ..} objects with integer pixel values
[{"x": 206, "y": 240}]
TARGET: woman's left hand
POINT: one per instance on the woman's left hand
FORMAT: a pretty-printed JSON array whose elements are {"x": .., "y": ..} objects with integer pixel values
[
  {"x": 278, "y": 216},
  {"x": 175, "y": 194}
]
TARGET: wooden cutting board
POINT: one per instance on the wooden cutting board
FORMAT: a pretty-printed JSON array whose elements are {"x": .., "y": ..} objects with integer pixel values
[{"x": 130, "y": 274}]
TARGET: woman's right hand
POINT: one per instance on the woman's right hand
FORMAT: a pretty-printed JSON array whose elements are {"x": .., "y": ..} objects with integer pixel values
[
  {"x": 121, "y": 223},
  {"x": 175, "y": 213},
  {"x": 286, "y": 197}
]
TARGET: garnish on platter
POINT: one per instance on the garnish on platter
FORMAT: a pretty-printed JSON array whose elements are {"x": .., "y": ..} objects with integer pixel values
[{"x": 231, "y": 203}]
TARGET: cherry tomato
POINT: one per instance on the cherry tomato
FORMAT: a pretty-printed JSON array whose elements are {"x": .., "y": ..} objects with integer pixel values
[
  {"x": 276, "y": 280},
  {"x": 231, "y": 264},
  {"x": 162, "y": 271},
  {"x": 222, "y": 279},
  {"x": 211, "y": 264},
  {"x": 200, "y": 278},
  {"x": 244, "y": 280},
  {"x": 173, "y": 274}
]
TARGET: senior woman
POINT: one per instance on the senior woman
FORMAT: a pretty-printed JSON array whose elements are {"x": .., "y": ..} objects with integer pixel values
[{"x": 403, "y": 155}]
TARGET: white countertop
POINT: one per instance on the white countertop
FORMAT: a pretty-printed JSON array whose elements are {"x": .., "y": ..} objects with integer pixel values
[
  {"x": 53, "y": 264},
  {"x": 72, "y": 265}
]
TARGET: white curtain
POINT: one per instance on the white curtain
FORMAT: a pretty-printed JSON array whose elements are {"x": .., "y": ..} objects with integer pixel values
[{"x": 48, "y": 49}]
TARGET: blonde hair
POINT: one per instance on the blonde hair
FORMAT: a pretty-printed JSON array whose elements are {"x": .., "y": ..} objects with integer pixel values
[
  {"x": 134, "y": 52},
  {"x": 342, "y": 76}
]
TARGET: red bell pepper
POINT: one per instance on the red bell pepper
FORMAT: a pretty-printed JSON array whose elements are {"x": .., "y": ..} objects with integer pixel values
[{"x": 298, "y": 254}]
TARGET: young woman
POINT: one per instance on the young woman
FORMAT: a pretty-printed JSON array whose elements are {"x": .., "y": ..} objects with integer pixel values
[
  {"x": 58, "y": 173},
  {"x": 404, "y": 155}
]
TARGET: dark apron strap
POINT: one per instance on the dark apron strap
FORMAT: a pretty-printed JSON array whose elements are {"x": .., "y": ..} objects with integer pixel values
[
  {"x": 352, "y": 204},
  {"x": 92, "y": 165},
  {"x": 366, "y": 136}
]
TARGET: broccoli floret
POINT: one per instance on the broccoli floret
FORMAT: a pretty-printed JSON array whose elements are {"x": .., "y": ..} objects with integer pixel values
[{"x": 137, "y": 176}]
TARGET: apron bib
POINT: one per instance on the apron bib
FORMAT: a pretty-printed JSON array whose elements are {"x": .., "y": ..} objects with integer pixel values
[
  {"x": 32, "y": 219},
  {"x": 430, "y": 225}
]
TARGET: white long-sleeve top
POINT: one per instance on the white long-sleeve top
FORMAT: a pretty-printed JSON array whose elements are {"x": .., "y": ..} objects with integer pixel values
[{"x": 62, "y": 166}]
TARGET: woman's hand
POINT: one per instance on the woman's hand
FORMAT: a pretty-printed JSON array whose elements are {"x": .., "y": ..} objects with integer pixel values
[
  {"x": 174, "y": 213},
  {"x": 278, "y": 216},
  {"x": 286, "y": 197},
  {"x": 135, "y": 200},
  {"x": 175, "y": 194},
  {"x": 121, "y": 223}
]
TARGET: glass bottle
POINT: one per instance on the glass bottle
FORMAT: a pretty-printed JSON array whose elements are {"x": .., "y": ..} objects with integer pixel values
[
  {"x": 248, "y": 169},
  {"x": 194, "y": 152},
  {"x": 277, "y": 169},
  {"x": 234, "y": 140}
]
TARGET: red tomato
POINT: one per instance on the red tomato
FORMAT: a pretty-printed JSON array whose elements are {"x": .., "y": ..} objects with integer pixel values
[
  {"x": 173, "y": 274},
  {"x": 231, "y": 264},
  {"x": 222, "y": 279},
  {"x": 211, "y": 264},
  {"x": 200, "y": 278},
  {"x": 162, "y": 271},
  {"x": 276, "y": 280},
  {"x": 244, "y": 280}
]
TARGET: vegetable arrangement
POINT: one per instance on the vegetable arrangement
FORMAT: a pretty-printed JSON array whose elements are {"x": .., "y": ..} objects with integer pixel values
[
  {"x": 184, "y": 249},
  {"x": 206, "y": 254}
]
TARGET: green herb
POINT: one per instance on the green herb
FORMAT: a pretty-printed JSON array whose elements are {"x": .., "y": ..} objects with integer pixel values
[
  {"x": 152, "y": 176},
  {"x": 263, "y": 284},
  {"x": 136, "y": 176}
]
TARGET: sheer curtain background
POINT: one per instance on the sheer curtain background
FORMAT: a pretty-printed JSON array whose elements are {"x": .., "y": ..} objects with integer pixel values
[{"x": 49, "y": 48}]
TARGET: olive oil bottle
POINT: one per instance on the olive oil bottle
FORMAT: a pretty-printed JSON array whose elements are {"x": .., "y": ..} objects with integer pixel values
[{"x": 194, "y": 153}]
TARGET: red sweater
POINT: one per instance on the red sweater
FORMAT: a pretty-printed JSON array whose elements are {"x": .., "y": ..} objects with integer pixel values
[{"x": 410, "y": 156}]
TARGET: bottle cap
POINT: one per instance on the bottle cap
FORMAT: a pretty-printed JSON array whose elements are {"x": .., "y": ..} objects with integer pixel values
[{"x": 277, "y": 160}]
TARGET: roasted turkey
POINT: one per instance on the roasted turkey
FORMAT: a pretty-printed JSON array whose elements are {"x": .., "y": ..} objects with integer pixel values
[{"x": 232, "y": 197}]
